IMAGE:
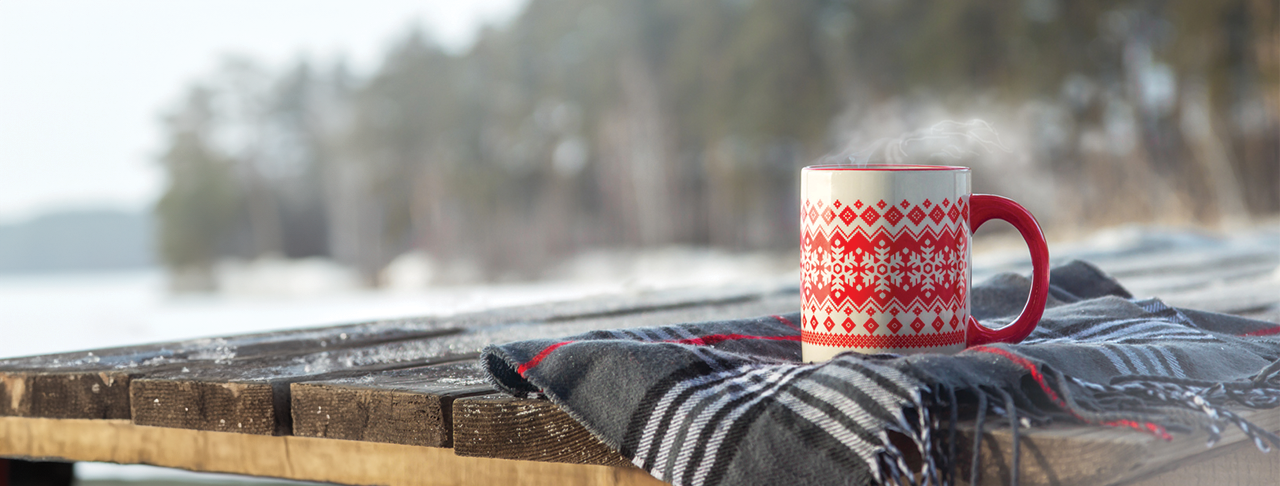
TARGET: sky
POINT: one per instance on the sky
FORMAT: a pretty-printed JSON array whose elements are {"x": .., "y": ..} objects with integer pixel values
[{"x": 83, "y": 84}]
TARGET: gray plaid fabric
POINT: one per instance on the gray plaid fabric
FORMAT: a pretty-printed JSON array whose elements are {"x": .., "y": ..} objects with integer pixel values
[{"x": 729, "y": 402}]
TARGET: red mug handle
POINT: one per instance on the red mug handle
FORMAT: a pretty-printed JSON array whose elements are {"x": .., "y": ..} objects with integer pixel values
[{"x": 984, "y": 207}]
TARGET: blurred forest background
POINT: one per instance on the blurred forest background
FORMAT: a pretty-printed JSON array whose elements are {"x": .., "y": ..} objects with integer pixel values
[{"x": 584, "y": 125}]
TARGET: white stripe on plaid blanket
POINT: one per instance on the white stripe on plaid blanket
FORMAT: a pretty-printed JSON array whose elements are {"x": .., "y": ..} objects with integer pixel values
[
  {"x": 1113, "y": 357},
  {"x": 865, "y": 450},
  {"x": 665, "y": 436},
  {"x": 1173, "y": 362},
  {"x": 678, "y": 444},
  {"x": 654, "y": 421},
  {"x": 713, "y": 445},
  {"x": 1123, "y": 330},
  {"x": 678, "y": 447},
  {"x": 1138, "y": 365},
  {"x": 1160, "y": 367}
]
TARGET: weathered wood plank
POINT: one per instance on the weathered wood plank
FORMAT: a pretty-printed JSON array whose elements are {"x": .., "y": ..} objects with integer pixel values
[
  {"x": 298, "y": 458},
  {"x": 502, "y": 426},
  {"x": 253, "y": 395},
  {"x": 411, "y": 406},
  {"x": 94, "y": 384},
  {"x": 100, "y": 395}
]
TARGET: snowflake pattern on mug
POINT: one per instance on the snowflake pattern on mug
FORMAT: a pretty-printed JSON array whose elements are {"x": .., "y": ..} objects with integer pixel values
[{"x": 877, "y": 274}]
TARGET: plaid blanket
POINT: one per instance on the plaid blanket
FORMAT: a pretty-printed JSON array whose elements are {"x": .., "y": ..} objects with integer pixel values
[{"x": 730, "y": 403}]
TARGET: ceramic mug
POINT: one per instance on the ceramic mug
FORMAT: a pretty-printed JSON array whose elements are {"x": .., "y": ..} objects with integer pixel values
[{"x": 885, "y": 260}]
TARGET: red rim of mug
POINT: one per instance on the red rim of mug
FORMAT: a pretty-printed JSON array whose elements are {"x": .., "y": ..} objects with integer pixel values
[{"x": 885, "y": 167}]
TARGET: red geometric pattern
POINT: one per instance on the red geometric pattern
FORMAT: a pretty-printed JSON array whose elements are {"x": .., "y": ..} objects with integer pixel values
[
  {"x": 854, "y": 270},
  {"x": 814, "y": 210},
  {"x": 865, "y": 341},
  {"x": 894, "y": 326},
  {"x": 893, "y": 275}
]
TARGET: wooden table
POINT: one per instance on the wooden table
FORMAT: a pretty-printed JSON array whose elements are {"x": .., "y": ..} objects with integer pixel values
[{"x": 403, "y": 402}]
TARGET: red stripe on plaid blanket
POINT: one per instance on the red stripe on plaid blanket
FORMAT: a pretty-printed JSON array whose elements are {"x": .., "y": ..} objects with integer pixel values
[
  {"x": 1031, "y": 367},
  {"x": 538, "y": 359},
  {"x": 1263, "y": 332},
  {"x": 698, "y": 341}
]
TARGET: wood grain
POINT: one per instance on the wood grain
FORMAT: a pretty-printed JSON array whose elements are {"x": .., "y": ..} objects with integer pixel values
[
  {"x": 298, "y": 458},
  {"x": 94, "y": 384},
  {"x": 502, "y": 426},
  {"x": 252, "y": 395},
  {"x": 411, "y": 406},
  {"x": 84, "y": 394}
]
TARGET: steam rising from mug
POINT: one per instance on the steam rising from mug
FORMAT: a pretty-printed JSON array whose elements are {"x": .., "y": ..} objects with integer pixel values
[{"x": 945, "y": 142}]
